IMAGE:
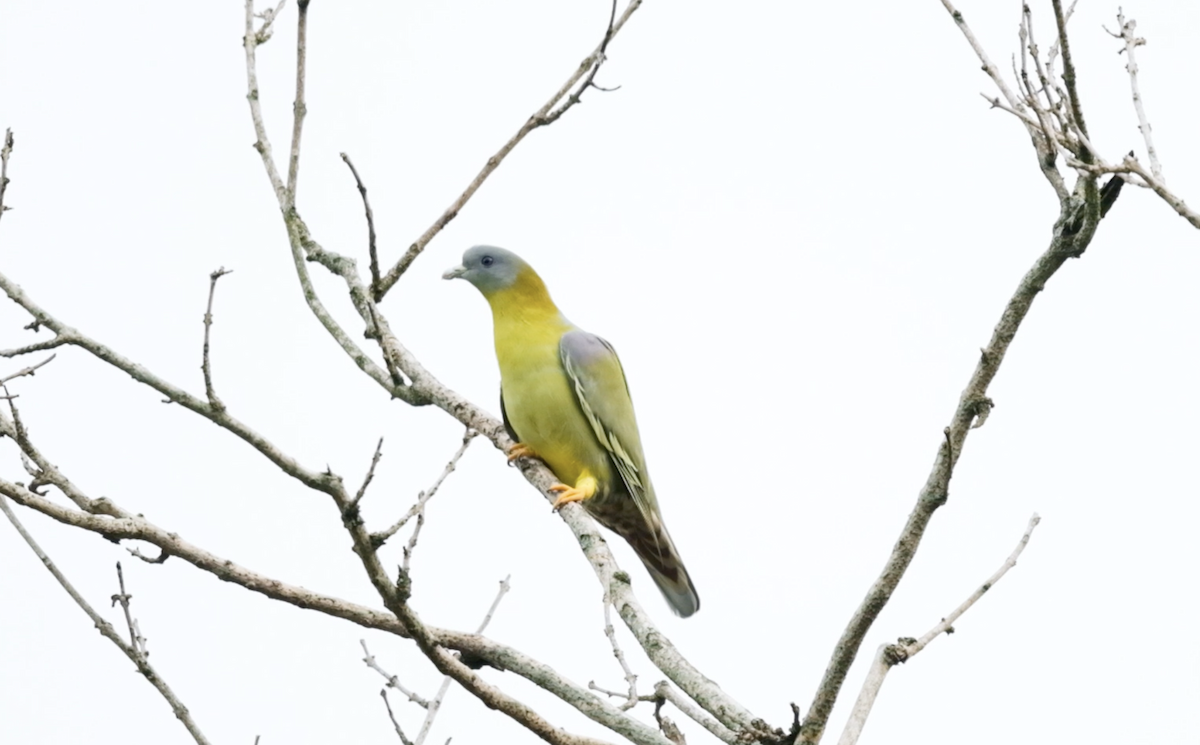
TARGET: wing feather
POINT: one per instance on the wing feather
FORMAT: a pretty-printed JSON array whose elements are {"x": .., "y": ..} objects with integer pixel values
[{"x": 600, "y": 389}]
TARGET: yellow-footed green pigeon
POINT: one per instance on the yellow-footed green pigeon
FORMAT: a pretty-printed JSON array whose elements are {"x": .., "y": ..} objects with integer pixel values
[{"x": 564, "y": 399}]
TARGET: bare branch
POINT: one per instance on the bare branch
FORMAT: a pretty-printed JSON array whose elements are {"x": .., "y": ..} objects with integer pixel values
[
  {"x": 1068, "y": 76},
  {"x": 889, "y": 655},
  {"x": 1132, "y": 42},
  {"x": 631, "y": 698},
  {"x": 251, "y": 40},
  {"x": 130, "y": 526},
  {"x": 311, "y": 478},
  {"x": 136, "y": 640},
  {"x": 412, "y": 540},
  {"x": 482, "y": 649},
  {"x": 362, "y": 490},
  {"x": 391, "y": 715},
  {"x": 540, "y": 118},
  {"x": 40, "y": 346},
  {"x": 669, "y": 730},
  {"x": 162, "y": 557},
  {"x": 589, "y": 81},
  {"x": 302, "y": 245},
  {"x": 205, "y": 365},
  {"x": 664, "y": 692},
  {"x": 133, "y": 652},
  {"x": 392, "y": 680},
  {"x": 372, "y": 252},
  {"x": 298, "y": 107},
  {"x": 1073, "y": 232},
  {"x": 5, "y": 154},
  {"x": 27, "y": 370},
  {"x": 436, "y": 704},
  {"x": 449, "y": 664},
  {"x": 1146, "y": 180},
  {"x": 988, "y": 67},
  {"x": 417, "y": 509},
  {"x": 1036, "y": 125},
  {"x": 46, "y": 473},
  {"x": 505, "y": 586}
]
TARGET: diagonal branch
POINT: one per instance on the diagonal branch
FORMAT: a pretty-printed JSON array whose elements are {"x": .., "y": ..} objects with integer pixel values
[
  {"x": 543, "y": 116},
  {"x": 1073, "y": 232},
  {"x": 372, "y": 251},
  {"x": 30, "y": 370},
  {"x": 135, "y": 654},
  {"x": 435, "y": 705},
  {"x": 889, "y": 655},
  {"x": 423, "y": 498},
  {"x": 131, "y": 526}
]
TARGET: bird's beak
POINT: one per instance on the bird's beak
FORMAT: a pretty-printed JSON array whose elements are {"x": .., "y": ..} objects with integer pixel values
[{"x": 454, "y": 272}]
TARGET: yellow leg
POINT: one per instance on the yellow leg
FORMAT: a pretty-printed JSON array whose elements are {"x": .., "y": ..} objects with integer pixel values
[
  {"x": 520, "y": 450},
  {"x": 585, "y": 488}
]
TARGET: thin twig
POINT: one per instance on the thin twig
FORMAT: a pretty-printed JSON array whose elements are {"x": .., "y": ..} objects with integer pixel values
[
  {"x": 988, "y": 67},
  {"x": 251, "y": 40},
  {"x": 589, "y": 81},
  {"x": 27, "y": 370},
  {"x": 538, "y": 119},
  {"x": 889, "y": 655},
  {"x": 1132, "y": 42},
  {"x": 435, "y": 704},
  {"x": 135, "y": 635},
  {"x": 5, "y": 152},
  {"x": 411, "y": 546},
  {"x": 392, "y": 680},
  {"x": 391, "y": 715},
  {"x": 362, "y": 490},
  {"x": 372, "y": 252},
  {"x": 505, "y": 586},
  {"x": 206, "y": 365},
  {"x": 298, "y": 107},
  {"x": 162, "y": 557},
  {"x": 631, "y": 698},
  {"x": 106, "y": 629},
  {"x": 418, "y": 508}
]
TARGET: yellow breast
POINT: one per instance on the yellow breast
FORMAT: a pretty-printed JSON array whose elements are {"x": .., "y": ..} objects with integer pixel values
[{"x": 538, "y": 395}]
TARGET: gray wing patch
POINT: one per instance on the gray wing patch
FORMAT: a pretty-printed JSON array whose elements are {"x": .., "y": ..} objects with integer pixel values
[{"x": 603, "y": 395}]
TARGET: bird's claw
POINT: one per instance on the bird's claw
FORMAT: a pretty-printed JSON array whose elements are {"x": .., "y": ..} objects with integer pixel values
[
  {"x": 520, "y": 450},
  {"x": 566, "y": 495}
]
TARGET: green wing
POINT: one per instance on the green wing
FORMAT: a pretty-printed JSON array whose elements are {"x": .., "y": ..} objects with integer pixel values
[{"x": 603, "y": 395}]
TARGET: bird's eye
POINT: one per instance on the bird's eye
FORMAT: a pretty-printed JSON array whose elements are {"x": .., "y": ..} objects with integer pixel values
[{"x": 487, "y": 261}]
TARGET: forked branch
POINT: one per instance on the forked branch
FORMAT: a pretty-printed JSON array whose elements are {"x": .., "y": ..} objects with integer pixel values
[{"x": 890, "y": 655}]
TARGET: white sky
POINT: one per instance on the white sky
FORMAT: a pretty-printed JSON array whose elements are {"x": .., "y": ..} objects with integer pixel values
[{"x": 797, "y": 226}]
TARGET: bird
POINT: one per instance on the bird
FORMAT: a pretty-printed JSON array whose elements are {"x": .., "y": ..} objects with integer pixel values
[{"x": 564, "y": 399}]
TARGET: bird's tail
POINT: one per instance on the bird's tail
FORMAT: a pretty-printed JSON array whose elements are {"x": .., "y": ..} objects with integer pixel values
[{"x": 656, "y": 550}]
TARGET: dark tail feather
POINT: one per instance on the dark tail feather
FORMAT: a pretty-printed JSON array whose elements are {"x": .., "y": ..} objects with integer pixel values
[{"x": 658, "y": 553}]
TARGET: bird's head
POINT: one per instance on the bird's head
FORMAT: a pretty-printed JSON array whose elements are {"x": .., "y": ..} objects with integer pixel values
[{"x": 491, "y": 269}]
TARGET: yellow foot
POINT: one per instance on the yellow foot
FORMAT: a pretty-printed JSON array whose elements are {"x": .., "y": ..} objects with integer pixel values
[
  {"x": 585, "y": 488},
  {"x": 566, "y": 495},
  {"x": 520, "y": 450}
]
